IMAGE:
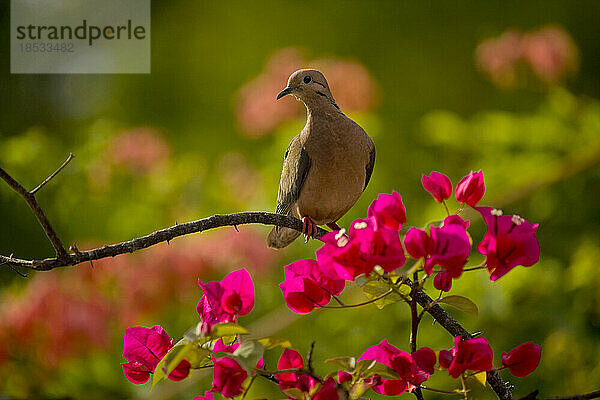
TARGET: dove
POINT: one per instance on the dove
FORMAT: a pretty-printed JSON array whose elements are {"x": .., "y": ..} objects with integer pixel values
[{"x": 327, "y": 165}]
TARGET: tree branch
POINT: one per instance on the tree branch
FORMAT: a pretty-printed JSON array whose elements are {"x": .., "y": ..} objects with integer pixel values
[
  {"x": 163, "y": 235},
  {"x": 29, "y": 197},
  {"x": 502, "y": 389}
]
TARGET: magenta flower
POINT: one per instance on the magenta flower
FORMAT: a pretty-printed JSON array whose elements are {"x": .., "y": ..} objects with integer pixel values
[
  {"x": 292, "y": 359},
  {"x": 456, "y": 219},
  {"x": 226, "y": 300},
  {"x": 451, "y": 248},
  {"x": 438, "y": 185},
  {"x": 389, "y": 210},
  {"x": 228, "y": 377},
  {"x": 425, "y": 359},
  {"x": 508, "y": 242},
  {"x": 418, "y": 243},
  {"x": 412, "y": 371},
  {"x": 523, "y": 359},
  {"x": 470, "y": 189},
  {"x": 328, "y": 391},
  {"x": 144, "y": 348},
  {"x": 306, "y": 287},
  {"x": 344, "y": 376},
  {"x": 442, "y": 281},
  {"x": 220, "y": 347},
  {"x": 369, "y": 244},
  {"x": 207, "y": 396},
  {"x": 471, "y": 354}
]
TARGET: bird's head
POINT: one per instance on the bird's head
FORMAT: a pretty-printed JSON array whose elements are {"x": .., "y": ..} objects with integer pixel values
[{"x": 310, "y": 86}]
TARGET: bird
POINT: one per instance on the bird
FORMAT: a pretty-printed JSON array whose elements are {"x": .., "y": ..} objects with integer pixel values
[{"x": 326, "y": 167}]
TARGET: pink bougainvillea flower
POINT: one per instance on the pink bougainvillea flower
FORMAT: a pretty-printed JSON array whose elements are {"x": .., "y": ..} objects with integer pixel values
[
  {"x": 226, "y": 300},
  {"x": 344, "y": 376},
  {"x": 442, "y": 281},
  {"x": 445, "y": 358},
  {"x": 470, "y": 354},
  {"x": 238, "y": 293},
  {"x": 306, "y": 287},
  {"x": 456, "y": 219},
  {"x": 220, "y": 347},
  {"x": 471, "y": 188},
  {"x": 418, "y": 243},
  {"x": 450, "y": 250},
  {"x": 411, "y": 371},
  {"x": 207, "y": 396},
  {"x": 438, "y": 185},
  {"x": 328, "y": 391},
  {"x": 144, "y": 348},
  {"x": 369, "y": 244},
  {"x": 389, "y": 210},
  {"x": 523, "y": 359},
  {"x": 508, "y": 242},
  {"x": 228, "y": 377},
  {"x": 292, "y": 359},
  {"x": 425, "y": 359}
]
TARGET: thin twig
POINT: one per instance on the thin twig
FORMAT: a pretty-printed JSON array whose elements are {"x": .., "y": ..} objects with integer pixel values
[
  {"x": 364, "y": 303},
  {"x": 48, "y": 179},
  {"x": 160, "y": 236},
  {"x": 414, "y": 325},
  {"x": 59, "y": 248}
]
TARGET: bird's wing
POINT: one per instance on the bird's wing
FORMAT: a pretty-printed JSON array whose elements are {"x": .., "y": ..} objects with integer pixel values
[
  {"x": 296, "y": 164},
  {"x": 370, "y": 166}
]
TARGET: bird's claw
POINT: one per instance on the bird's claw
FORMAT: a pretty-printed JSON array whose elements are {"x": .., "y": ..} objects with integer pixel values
[{"x": 309, "y": 228}]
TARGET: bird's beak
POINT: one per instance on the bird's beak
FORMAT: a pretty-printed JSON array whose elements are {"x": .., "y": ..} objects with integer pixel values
[{"x": 285, "y": 91}]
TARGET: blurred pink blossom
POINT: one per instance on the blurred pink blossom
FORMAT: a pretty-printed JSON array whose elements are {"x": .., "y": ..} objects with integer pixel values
[
  {"x": 258, "y": 113},
  {"x": 140, "y": 150},
  {"x": 549, "y": 52}
]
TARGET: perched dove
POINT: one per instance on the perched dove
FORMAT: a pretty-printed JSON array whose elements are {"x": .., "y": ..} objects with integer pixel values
[{"x": 326, "y": 167}]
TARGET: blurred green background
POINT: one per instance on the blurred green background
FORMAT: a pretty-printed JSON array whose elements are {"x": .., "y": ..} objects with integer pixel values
[{"x": 509, "y": 87}]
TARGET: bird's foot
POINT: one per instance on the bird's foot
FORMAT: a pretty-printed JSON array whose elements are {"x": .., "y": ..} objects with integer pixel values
[
  {"x": 309, "y": 228},
  {"x": 334, "y": 226}
]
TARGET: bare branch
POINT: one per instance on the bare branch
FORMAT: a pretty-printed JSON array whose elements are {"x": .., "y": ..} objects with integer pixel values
[
  {"x": 29, "y": 197},
  {"x": 162, "y": 235},
  {"x": 48, "y": 179},
  {"x": 502, "y": 389}
]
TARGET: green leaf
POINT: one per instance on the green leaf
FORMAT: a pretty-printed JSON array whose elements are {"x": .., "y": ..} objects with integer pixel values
[
  {"x": 380, "y": 369},
  {"x": 195, "y": 355},
  {"x": 363, "y": 365},
  {"x": 227, "y": 329},
  {"x": 294, "y": 393},
  {"x": 270, "y": 343},
  {"x": 248, "y": 354},
  {"x": 481, "y": 377},
  {"x": 347, "y": 363},
  {"x": 159, "y": 373},
  {"x": 374, "y": 289},
  {"x": 461, "y": 303}
]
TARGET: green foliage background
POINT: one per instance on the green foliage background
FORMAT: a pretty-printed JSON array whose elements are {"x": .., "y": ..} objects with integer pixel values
[{"x": 538, "y": 146}]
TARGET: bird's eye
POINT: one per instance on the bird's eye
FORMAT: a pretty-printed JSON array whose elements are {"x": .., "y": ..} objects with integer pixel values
[{"x": 307, "y": 79}]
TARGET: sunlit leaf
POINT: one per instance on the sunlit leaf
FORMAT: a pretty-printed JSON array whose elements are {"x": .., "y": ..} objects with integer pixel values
[
  {"x": 248, "y": 354},
  {"x": 375, "y": 288},
  {"x": 294, "y": 393},
  {"x": 270, "y": 343},
  {"x": 227, "y": 329},
  {"x": 461, "y": 303},
  {"x": 347, "y": 363},
  {"x": 481, "y": 377},
  {"x": 159, "y": 373}
]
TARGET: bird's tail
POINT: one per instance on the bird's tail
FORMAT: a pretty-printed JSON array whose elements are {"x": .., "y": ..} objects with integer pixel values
[{"x": 280, "y": 237}]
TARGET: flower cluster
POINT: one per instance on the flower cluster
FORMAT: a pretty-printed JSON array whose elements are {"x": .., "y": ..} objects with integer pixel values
[
  {"x": 226, "y": 300},
  {"x": 370, "y": 255},
  {"x": 549, "y": 52}
]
